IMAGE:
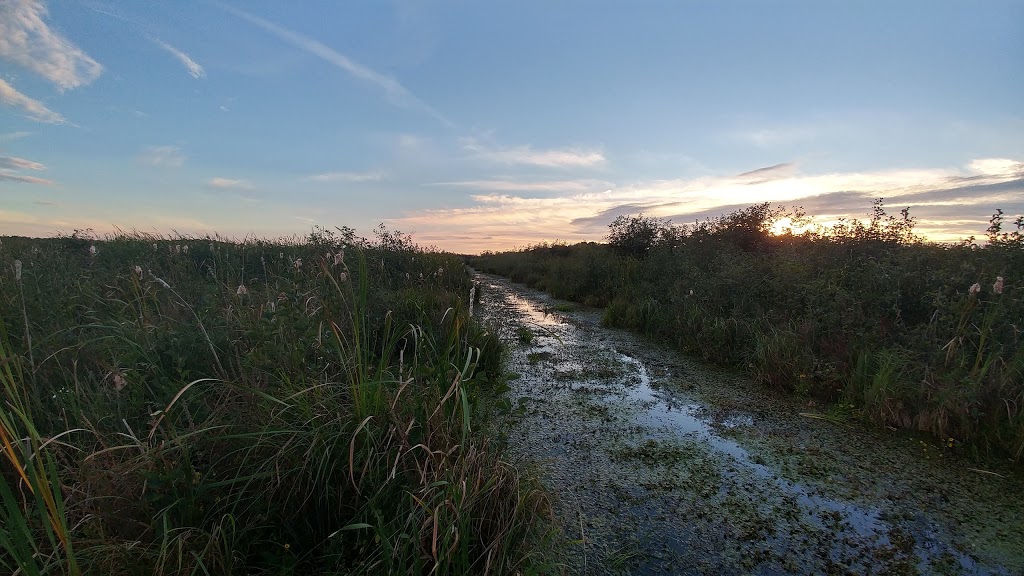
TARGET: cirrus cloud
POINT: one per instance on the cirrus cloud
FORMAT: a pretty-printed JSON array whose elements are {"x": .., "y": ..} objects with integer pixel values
[
  {"x": 25, "y": 39},
  {"x": 32, "y": 108}
]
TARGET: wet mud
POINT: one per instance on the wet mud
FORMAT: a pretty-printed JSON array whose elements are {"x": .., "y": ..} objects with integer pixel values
[{"x": 658, "y": 464}]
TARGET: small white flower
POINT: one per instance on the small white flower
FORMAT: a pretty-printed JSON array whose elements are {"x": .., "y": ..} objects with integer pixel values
[
  {"x": 92, "y": 251},
  {"x": 975, "y": 288},
  {"x": 119, "y": 381},
  {"x": 242, "y": 290},
  {"x": 17, "y": 270},
  {"x": 998, "y": 286},
  {"x": 138, "y": 271}
]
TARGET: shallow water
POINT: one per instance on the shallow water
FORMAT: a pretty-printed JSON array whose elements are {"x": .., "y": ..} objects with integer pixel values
[{"x": 658, "y": 464}]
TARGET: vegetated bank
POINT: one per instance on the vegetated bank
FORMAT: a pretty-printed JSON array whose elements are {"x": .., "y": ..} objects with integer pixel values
[
  {"x": 912, "y": 334},
  {"x": 202, "y": 406}
]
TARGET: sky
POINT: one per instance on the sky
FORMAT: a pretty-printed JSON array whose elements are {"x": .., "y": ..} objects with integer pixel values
[{"x": 494, "y": 125}]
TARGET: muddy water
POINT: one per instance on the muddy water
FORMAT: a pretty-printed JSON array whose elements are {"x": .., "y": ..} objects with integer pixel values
[{"x": 658, "y": 464}]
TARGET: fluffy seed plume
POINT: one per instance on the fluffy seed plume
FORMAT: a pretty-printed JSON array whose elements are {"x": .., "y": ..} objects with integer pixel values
[
  {"x": 998, "y": 286},
  {"x": 975, "y": 288}
]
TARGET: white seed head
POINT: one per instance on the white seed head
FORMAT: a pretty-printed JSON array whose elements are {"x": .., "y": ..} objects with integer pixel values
[
  {"x": 975, "y": 288},
  {"x": 138, "y": 271},
  {"x": 298, "y": 263},
  {"x": 998, "y": 286},
  {"x": 92, "y": 251},
  {"x": 343, "y": 277},
  {"x": 242, "y": 290}
]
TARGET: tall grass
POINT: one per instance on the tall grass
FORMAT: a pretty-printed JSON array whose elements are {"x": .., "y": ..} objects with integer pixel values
[
  {"x": 916, "y": 335},
  {"x": 200, "y": 406}
]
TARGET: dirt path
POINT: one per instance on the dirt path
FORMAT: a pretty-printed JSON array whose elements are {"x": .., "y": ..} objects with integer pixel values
[{"x": 659, "y": 464}]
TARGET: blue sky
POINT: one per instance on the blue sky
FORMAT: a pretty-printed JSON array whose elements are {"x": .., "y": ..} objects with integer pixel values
[{"x": 491, "y": 125}]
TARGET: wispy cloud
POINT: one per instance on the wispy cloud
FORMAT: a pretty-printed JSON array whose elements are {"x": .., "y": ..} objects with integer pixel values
[
  {"x": 12, "y": 136},
  {"x": 775, "y": 172},
  {"x": 526, "y": 155},
  {"x": 164, "y": 156},
  {"x": 395, "y": 92},
  {"x": 8, "y": 176},
  {"x": 771, "y": 137},
  {"x": 518, "y": 186},
  {"x": 11, "y": 166},
  {"x": 949, "y": 202},
  {"x": 9, "y": 162},
  {"x": 191, "y": 65},
  {"x": 26, "y": 40},
  {"x": 32, "y": 108},
  {"x": 229, "y": 184},
  {"x": 346, "y": 177}
]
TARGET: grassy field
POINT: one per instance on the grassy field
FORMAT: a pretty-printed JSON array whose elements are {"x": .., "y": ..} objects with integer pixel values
[
  {"x": 863, "y": 315},
  {"x": 203, "y": 406}
]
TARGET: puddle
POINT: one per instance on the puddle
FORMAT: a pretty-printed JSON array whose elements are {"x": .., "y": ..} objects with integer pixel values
[{"x": 650, "y": 478}]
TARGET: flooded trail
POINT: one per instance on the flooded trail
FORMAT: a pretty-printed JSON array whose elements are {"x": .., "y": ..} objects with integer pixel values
[{"x": 660, "y": 465}]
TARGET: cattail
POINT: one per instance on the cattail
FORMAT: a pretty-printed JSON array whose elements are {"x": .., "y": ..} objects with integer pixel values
[
  {"x": 17, "y": 270},
  {"x": 138, "y": 271},
  {"x": 975, "y": 288},
  {"x": 242, "y": 290},
  {"x": 998, "y": 286},
  {"x": 92, "y": 251}
]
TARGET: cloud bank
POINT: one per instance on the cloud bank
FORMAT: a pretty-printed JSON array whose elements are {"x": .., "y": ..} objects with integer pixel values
[{"x": 950, "y": 204}]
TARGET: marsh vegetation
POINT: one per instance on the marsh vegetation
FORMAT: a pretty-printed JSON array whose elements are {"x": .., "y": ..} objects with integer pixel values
[
  {"x": 203, "y": 406},
  {"x": 865, "y": 315}
]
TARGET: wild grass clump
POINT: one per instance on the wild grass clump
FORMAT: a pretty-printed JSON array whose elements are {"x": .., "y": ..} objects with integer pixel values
[
  {"x": 916, "y": 335},
  {"x": 202, "y": 406}
]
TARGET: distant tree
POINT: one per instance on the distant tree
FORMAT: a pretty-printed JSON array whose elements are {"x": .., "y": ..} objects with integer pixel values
[
  {"x": 749, "y": 228},
  {"x": 636, "y": 235}
]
